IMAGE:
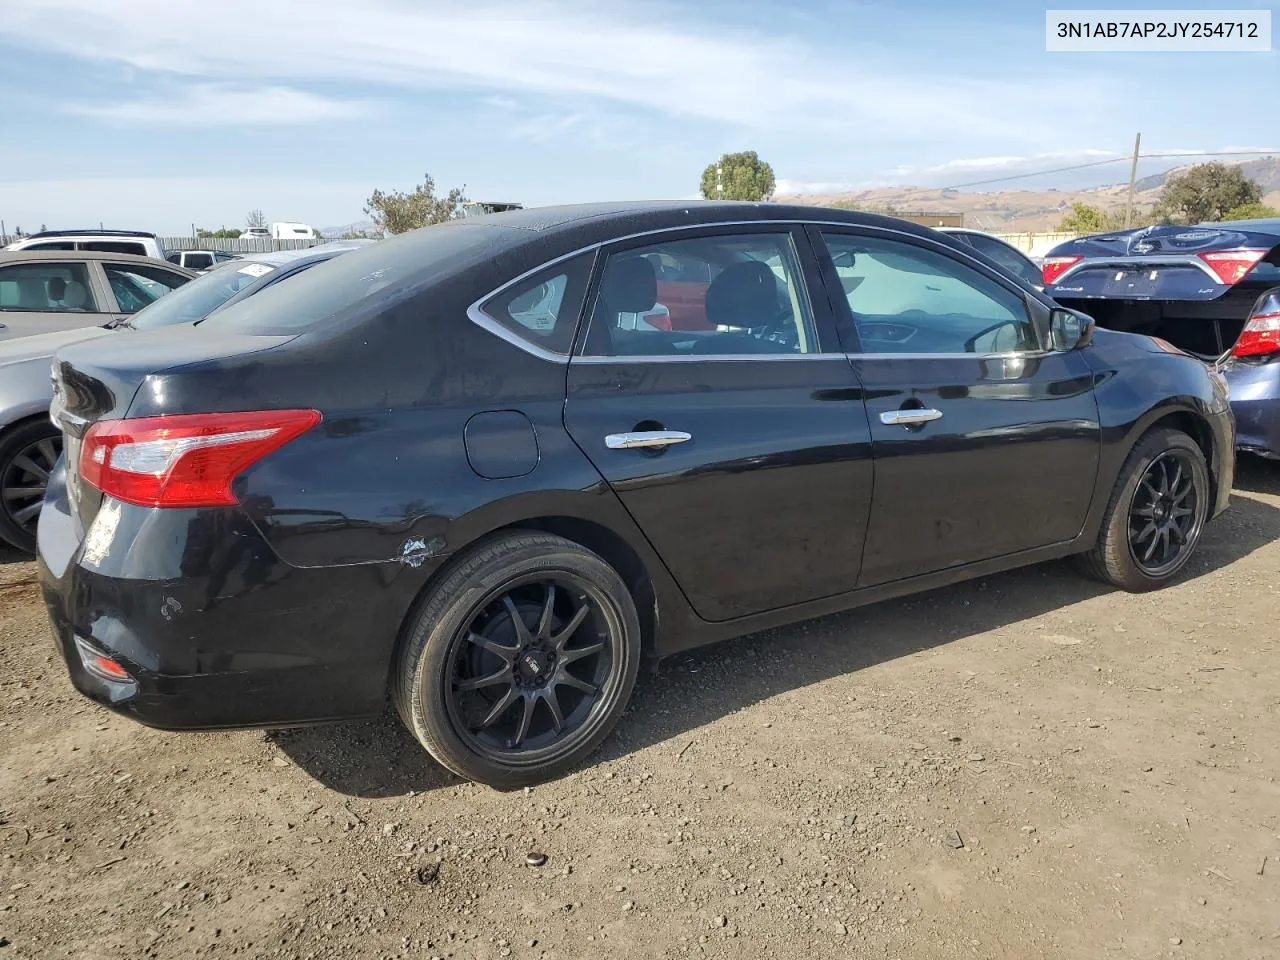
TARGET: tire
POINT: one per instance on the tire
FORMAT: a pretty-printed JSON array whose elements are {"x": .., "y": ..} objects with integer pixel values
[
  {"x": 1115, "y": 558},
  {"x": 456, "y": 666},
  {"x": 24, "y": 452}
]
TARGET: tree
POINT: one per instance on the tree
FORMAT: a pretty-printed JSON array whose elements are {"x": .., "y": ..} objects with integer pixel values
[
  {"x": 1251, "y": 211},
  {"x": 398, "y": 212},
  {"x": 1084, "y": 218},
  {"x": 222, "y": 233},
  {"x": 255, "y": 219},
  {"x": 1206, "y": 192},
  {"x": 742, "y": 176}
]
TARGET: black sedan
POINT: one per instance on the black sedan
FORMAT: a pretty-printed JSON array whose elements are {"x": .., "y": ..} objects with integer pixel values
[{"x": 475, "y": 468}]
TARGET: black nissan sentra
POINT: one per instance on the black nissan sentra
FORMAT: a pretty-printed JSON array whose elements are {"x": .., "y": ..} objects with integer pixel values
[{"x": 485, "y": 467}]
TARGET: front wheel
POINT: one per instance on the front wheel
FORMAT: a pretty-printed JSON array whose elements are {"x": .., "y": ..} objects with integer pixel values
[
  {"x": 1156, "y": 514},
  {"x": 520, "y": 661}
]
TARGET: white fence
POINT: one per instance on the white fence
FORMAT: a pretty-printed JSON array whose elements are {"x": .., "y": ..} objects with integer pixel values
[
  {"x": 1036, "y": 244},
  {"x": 261, "y": 245}
]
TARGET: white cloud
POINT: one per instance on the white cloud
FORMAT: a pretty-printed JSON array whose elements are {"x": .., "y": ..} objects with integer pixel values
[
  {"x": 215, "y": 105},
  {"x": 622, "y": 52}
]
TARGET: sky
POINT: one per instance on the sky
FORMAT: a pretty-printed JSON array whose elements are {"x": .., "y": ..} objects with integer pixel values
[{"x": 151, "y": 114}]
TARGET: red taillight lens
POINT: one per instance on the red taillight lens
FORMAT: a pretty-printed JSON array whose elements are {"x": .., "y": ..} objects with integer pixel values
[
  {"x": 1261, "y": 335},
  {"x": 1051, "y": 268},
  {"x": 1230, "y": 266},
  {"x": 184, "y": 461}
]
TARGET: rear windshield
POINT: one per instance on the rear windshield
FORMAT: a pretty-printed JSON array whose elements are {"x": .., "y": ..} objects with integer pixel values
[
  {"x": 380, "y": 272},
  {"x": 200, "y": 297}
]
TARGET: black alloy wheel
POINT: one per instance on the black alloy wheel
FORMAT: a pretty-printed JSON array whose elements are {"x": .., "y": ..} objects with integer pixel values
[
  {"x": 1156, "y": 513},
  {"x": 1165, "y": 514},
  {"x": 519, "y": 660},
  {"x": 529, "y": 667},
  {"x": 27, "y": 458}
]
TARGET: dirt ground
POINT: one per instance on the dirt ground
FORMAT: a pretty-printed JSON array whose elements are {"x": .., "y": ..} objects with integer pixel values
[{"x": 1023, "y": 766}]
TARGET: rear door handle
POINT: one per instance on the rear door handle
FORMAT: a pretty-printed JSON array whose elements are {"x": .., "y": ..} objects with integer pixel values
[
  {"x": 910, "y": 416},
  {"x": 645, "y": 439}
]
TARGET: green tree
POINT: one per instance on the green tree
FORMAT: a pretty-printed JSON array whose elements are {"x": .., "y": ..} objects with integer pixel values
[
  {"x": 1085, "y": 218},
  {"x": 742, "y": 176},
  {"x": 1206, "y": 192},
  {"x": 398, "y": 212},
  {"x": 1251, "y": 211},
  {"x": 222, "y": 233}
]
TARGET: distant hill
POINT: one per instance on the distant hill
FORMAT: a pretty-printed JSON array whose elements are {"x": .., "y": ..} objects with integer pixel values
[{"x": 1026, "y": 211}]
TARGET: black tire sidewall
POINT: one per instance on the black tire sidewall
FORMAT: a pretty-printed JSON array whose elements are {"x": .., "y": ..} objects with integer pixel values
[
  {"x": 11, "y": 441},
  {"x": 1116, "y": 555},
  {"x": 426, "y": 654}
]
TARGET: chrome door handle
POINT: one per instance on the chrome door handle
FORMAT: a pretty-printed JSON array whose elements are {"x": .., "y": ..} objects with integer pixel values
[
  {"x": 645, "y": 439},
  {"x": 910, "y": 416}
]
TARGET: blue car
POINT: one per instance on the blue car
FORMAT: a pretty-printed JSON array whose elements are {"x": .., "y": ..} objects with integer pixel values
[{"x": 1212, "y": 290}]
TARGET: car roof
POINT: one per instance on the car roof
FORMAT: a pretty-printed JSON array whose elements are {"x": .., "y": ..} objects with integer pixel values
[
  {"x": 278, "y": 258},
  {"x": 15, "y": 256},
  {"x": 582, "y": 225}
]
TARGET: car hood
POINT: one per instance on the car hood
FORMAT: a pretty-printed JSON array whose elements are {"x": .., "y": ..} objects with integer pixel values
[{"x": 44, "y": 345}]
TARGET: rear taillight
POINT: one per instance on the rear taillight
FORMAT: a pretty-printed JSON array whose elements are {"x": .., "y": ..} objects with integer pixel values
[
  {"x": 1229, "y": 266},
  {"x": 1051, "y": 268},
  {"x": 184, "y": 461}
]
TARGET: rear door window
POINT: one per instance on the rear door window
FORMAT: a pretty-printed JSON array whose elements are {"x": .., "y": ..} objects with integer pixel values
[
  {"x": 198, "y": 261},
  {"x": 114, "y": 246},
  {"x": 47, "y": 287}
]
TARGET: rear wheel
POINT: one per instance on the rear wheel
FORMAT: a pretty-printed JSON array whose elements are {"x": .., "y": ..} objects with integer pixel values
[
  {"x": 27, "y": 455},
  {"x": 520, "y": 661},
  {"x": 1156, "y": 514}
]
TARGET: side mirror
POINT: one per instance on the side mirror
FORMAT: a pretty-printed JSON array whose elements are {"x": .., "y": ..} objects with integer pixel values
[{"x": 1069, "y": 329}]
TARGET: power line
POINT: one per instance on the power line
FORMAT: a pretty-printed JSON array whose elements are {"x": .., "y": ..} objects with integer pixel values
[{"x": 1099, "y": 163}]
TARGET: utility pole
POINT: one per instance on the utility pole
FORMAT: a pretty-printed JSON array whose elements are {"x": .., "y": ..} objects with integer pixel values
[
  {"x": 1133, "y": 176},
  {"x": 719, "y": 183}
]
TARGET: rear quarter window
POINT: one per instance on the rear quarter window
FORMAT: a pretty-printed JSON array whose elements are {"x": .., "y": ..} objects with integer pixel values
[{"x": 365, "y": 279}]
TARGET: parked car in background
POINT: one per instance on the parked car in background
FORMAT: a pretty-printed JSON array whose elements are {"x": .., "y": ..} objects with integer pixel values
[
  {"x": 1006, "y": 255},
  {"x": 1212, "y": 290},
  {"x": 200, "y": 261},
  {"x": 256, "y": 233},
  {"x": 380, "y": 476},
  {"x": 134, "y": 242},
  {"x": 43, "y": 291},
  {"x": 30, "y": 443},
  {"x": 285, "y": 230}
]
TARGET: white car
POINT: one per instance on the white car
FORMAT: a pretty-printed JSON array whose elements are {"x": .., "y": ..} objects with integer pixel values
[
  {"x": 134, "y": 242},
  {"x": 256, "y": 233}
]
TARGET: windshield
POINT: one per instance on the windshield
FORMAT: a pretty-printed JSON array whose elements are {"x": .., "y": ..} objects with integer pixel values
[{"x": 200, "y": 297}]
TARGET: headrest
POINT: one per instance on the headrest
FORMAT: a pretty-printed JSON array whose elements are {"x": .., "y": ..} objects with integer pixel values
[
  {"x": 57, "y": 288},
  {"x": 75, "y": 296},
  {"x": 743, "y": 295},
  {"x": 629, "y": 286}
]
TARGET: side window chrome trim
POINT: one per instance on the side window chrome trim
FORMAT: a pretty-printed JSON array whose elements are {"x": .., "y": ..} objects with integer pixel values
[
  {"x": 481, "y": 319},
  {"x": 709, "y": 357}
]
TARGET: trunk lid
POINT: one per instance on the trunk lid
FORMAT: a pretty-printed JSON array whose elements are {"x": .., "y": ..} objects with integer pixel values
[
  {"x": 1157, "y": 263},
  {"x": 100, "y": 379}
]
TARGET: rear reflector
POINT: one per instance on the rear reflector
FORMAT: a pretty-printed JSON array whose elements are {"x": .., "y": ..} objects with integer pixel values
[
  {"x": 1051, "y": 268},
  {"x": 184, "y": 461},
  {"x": 100, "y": 665},
  {"x": 1230, "y": 266}
]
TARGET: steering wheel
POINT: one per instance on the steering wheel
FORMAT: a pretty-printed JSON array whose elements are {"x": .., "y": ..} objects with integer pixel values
[{"x": 971, "y": 345}]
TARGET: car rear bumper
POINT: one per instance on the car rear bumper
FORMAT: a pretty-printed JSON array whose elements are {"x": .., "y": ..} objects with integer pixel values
[
  {"x": 212, "y": 627},
  {"x": 1255, "y": 401}
]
